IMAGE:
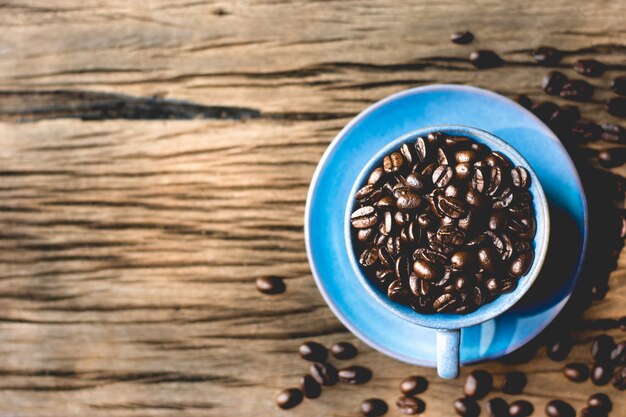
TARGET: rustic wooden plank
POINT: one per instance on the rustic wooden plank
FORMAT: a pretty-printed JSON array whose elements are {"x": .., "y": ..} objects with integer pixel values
[{"x": 129, "y": 248}]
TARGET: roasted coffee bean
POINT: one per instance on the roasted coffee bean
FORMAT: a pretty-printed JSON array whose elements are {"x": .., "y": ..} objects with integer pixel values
[
  {"x": 366, "y": 192},
  {"x": 613, "y": 133},
  {"x": 523, "y": 100},
  {"x": 616, "y": 106},
  {"x": 413, "y": 385},
  {"x": 521, "y": 408},
  {"x": 492, "y": 285},
  {"x": 394, "y": 245},
  {"x": 521, "y": 264},
  {"x": 478, "y": 384},
  {"x": 553, "y": 82},
  {"x": 618, "y": 354},
  {"x": 577, "y": 90},
  {"x": 562, "y": 120},
  {"x": 396, "y": 291},
  {"x": 408, "y": 153},
  {"x": 444, "y": 302},
  {"x": 547, "y": 55},
  {"x": 600, "y": 401},
  {"x": 601, "y": 373},
  {"x": 364, "y": 217},
  {"x": 324, "y": 373},
  {"x": 365, "y": 234},
  {"x": 385, "y": 257},
  {"x": 418, "y": 286},
  {"x": 343, "y": 350},
  {"x": 484, "y": 59},
  {"x": 416, "y": 181},
  {"x": 442, "y": 157},
  {"x": 586, "y": 131},
  {"x": 426, "y": 221},
  {"x": 270, "y": 284},
  {"x": 374, "y": 407},
  {"x": 576, "y": 372},
  {"x": 592, "y": 412},
  {"x": 558, "y": 348},
  {"x": 544, "y": 110},
  {"x": 376, "y": 176},
  {"x": 442, "y": 175},
  {"x": 310, "y": 387},
  {"x": 589, "y": 67},
  {"x": 497, "y": 407},
  {"x": 421, "y": 148},
  {"x": 601, "y": 348},
  {"x": 613, "y": 157},
  {"x": 462, "y": 38},
  {"x": 392, "y": 163},
  {"x": 520, "y": 177},
  {"x": 355, "y": 375},
  {"x": 466, "y": 407},
  {"x": 313, "y": 351},
  {"x": 385, "y": 202},
  {"x": 619, "y": 378},
  {"x": 427, "y": 270},
  {"x": 403, "y": 268},
  {"x": 619, "y": 85},
  {"x": 410, "y": 405},
  {"x": 465, "y": 261},
  {"x": 463, "y": 171},
  {"x": 369, "y": 256},
  {"x": 514, "y": 383},
  {"x": 451, "y": 207},
  {"x": 478, "y": 180},
  {"x": 559, "y": 408},
  {"x": 289, "y": 398}
]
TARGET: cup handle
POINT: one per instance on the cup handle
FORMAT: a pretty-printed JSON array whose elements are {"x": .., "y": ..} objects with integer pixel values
[{"x": 448, "y": 344}]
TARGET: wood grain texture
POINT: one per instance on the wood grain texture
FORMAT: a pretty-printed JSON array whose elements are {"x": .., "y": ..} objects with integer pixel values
[{"x": 154, "y": 160}]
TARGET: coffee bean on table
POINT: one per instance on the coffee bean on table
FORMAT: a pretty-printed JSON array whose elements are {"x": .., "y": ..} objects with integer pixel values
[
  {"x": 478, "y": 384},
  {"x": 462, "y": 38},
  {"x": 466, "y": 407},
  {"x": 313, "y": 351},
  {"x": 613, "y": 133},
  {"x": 559, "y": 408},
  {"x": 600, "y": 401},
  {"x": 324, "y": 373},
  {"x": 497, "y": 407},
  {"x": 589, "y": 67},
  {"x": 544, "y": 110},
  {"x": 619, "y": 378},
  {"x": 577, "y": 90},
  {"x": 553, "y": 82},
  {"x": 355, "y": 375},
  {"x": 616, "y": 106},
  {"x": 410, "y": 405},
  {"x": 310, "y": 387},
  {"x": 592, "y": 412},
  {"x": 289, "y": 398},
  {"x": 558, "y": 348},
  {"x": 374, "y": 407},
  {"x": 618, "y": 85},
  {"x": 270, "y": 284},
  {"x": 547, "y": 55},
  {"x": 586, "y": 131},
  {"x": 618, "y": 354},
  {"x": 576, "y": 372},
  {"x": 601, "y": 373},
  {"x": 521, "y": 408},
  {"x": 601, "y": 348},
  {"x": 343, "y": 350},
  {"x": 564, "y": 118},
  {"x": 413, "y": 385},
  {"x": 514, "y": 382},
  {"x": 523, "y": 100},
  {"x": 484, "y": 59},
  {"x": 613, "y": 157}
]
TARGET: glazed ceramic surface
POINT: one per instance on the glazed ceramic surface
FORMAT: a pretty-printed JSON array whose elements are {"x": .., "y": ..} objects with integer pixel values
[{"x": 376, "y": 127}]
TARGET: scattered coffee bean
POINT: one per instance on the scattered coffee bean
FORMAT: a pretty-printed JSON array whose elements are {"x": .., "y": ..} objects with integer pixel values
[
  {"x": 616, "y": 106},
  {"x": 601, "y": 348},
  {"x": 289, "y": 398},
  {"x": 484, "y": 59},
  {"x": 586, "y": 131},
  {"x": 564, "y": 119},
  {"x": 576, "y": 372},
  {"x": 324, "y": 373},
  {"x": 558, "y": 349},
  {"x": 619, "y": 378},
  {"x": 546, "y": 55},
  {"x": 592, "y": 412},
  {"x": 466, "y": 407},
  {"x": 374, "y": 407},
  {"x": 413, "y": 385},
  {"x": 497, "y": 407},
  {"x": 355, "y": 375},
  {"x": 600, "y": 401},
  {"x": 618, "y": 354},
  {"x": 601, "y": 373},
  {"x": 310, "y": 387},
  {"x": 544, "y": 110},
  {"x": 619, "y": 85},
  {"x": 343, "y": 350},
  {"x": 553, "y": 82},
  {"x": 612, "y": 157},
  {"x": 524, "y": 101},
  {"x": 613, "y": 133},
  {"x": 521, "y": 408},
  {"x": 462, "y": 38},
  {"x": 478, "y": 384},
  {"x": 270, "y": 284},
  {"x": 514, "y": 382},
  {"x": 589, "y": 67},
  {"x": 559, "y": 408},
  {"x": 313, "y": 352},
  {"x": 577, "y": 90},
  {"x": 410, "y": 405}
]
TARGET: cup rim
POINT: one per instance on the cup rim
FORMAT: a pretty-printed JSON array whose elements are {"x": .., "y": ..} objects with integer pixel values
[{"x": 451, "y": 321}]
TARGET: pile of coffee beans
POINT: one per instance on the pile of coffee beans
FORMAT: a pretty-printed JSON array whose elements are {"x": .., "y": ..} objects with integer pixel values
[{"x": 444, "y": 224}]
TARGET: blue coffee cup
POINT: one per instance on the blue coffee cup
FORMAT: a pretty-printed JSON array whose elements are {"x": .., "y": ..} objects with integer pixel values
[{"x": 449, "y": 325}]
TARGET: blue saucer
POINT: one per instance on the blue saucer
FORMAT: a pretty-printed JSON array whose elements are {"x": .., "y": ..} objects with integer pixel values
[{"x": 393, "y": 117}]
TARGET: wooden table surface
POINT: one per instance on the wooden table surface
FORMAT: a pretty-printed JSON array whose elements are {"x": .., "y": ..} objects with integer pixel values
[{"x": 154, "y": 160}]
